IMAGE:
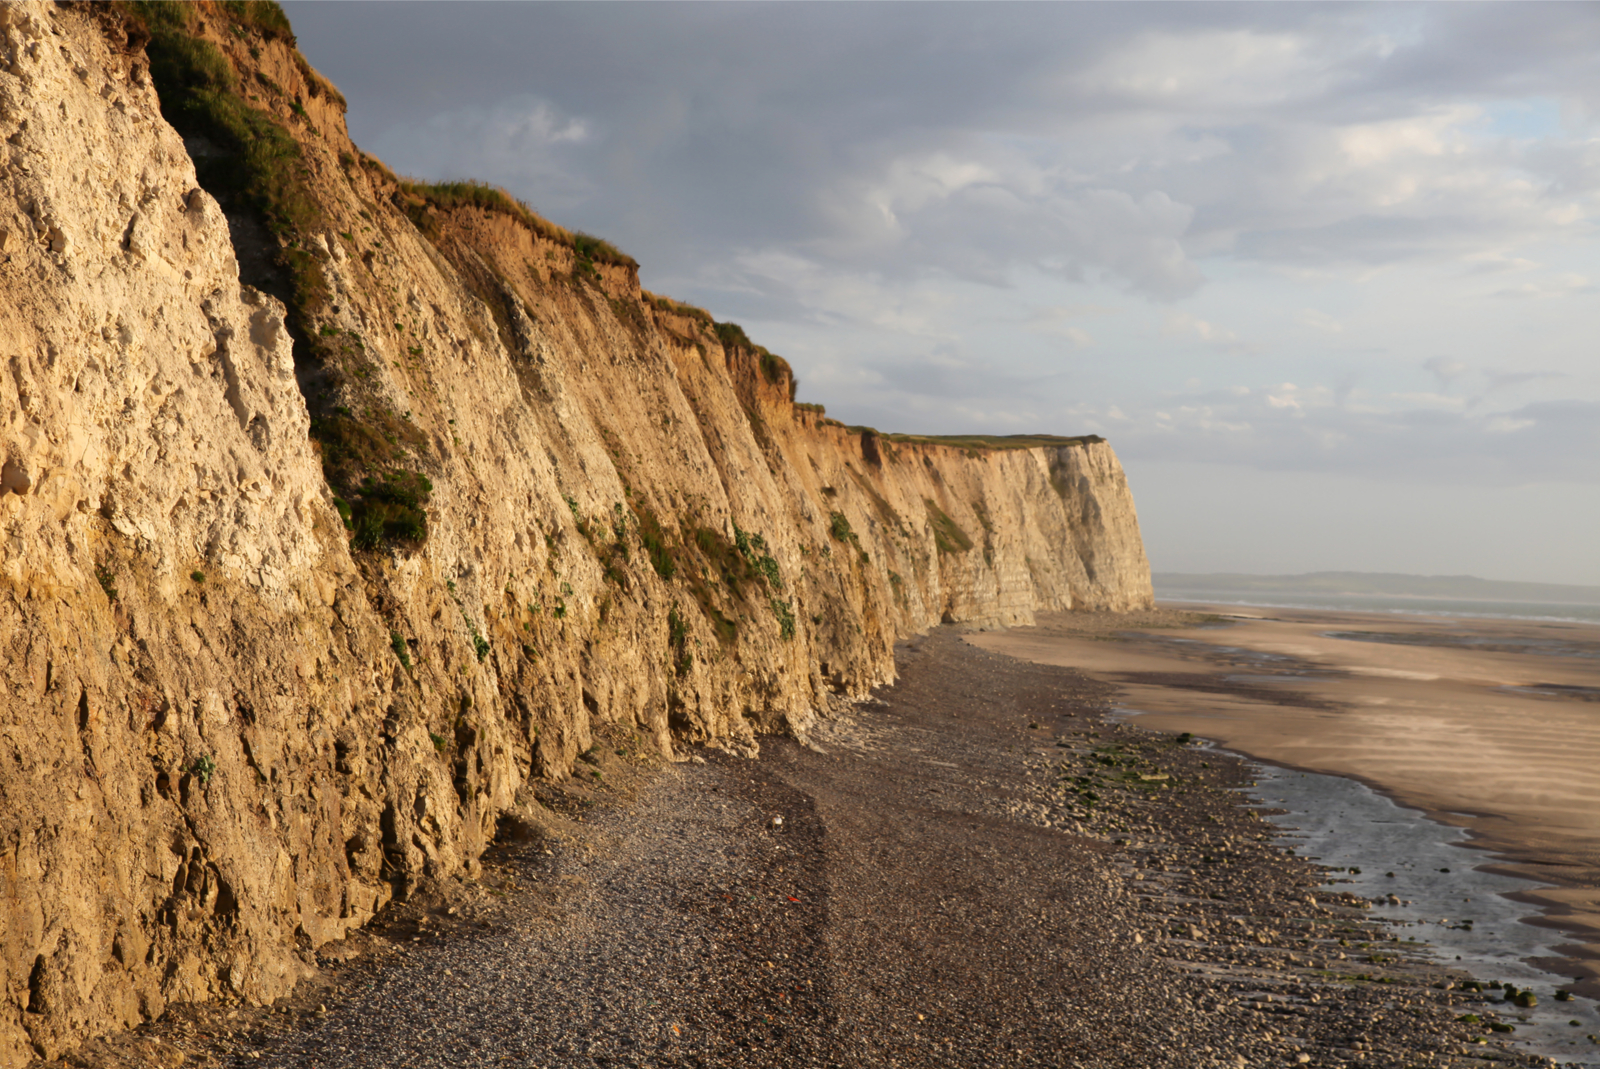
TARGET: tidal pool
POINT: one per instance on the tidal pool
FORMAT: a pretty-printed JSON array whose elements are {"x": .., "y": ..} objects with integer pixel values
[{"x": 1346, "y": 825}]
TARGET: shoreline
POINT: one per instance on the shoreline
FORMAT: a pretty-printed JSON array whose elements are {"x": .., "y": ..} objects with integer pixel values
[
  {"x": 1452, "y": 717},
  {"x": 1392, "y": 855},
  {"x": 982, "y": 867}
]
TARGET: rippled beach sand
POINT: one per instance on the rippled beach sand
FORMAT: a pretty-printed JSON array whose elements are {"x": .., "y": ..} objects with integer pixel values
[{"x": 1488, "y": 724}]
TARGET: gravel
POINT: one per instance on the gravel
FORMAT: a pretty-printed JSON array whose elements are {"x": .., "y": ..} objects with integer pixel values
[{"x": 980, "y": 869}]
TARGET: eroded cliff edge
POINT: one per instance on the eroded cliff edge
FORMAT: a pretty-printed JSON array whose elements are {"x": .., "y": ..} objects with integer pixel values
[{"x": 304, "y": 577}]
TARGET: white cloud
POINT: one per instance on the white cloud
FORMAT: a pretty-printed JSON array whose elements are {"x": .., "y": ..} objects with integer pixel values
[
  {"x": 1207, "y": 70},
  {"x": 1564, "y": 285},
  {"x": 1183, "y": 324},
  {"x": 1508, "y": 424},
  {"x": 1059, "y": 321},
  {"x": 1319, "y": 321}
]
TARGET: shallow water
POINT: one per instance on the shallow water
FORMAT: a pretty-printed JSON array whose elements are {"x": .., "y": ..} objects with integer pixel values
[
  {"x": 1539, "y": 646},
  {"x": 1344, "y": 824}
]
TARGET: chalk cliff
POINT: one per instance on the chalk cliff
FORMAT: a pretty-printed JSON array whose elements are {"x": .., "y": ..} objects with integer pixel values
[{"x": 335, "y": 509}]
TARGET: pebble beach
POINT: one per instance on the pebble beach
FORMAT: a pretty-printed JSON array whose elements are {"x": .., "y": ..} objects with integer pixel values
[{"x": 987, "y": 865}]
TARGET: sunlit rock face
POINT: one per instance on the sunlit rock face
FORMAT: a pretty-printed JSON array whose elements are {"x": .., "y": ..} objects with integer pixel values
[{"x": 295, "y": 600}]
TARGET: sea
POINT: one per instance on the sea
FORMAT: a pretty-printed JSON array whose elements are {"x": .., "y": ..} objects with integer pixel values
[{"x": 1565, "y": 612}]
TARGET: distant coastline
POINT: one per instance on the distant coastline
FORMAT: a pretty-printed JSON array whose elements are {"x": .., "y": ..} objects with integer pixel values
[{"x": 1375, "y": 584}]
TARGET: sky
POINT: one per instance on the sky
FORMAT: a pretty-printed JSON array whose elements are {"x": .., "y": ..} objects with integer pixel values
[{"x": 1326, "y": 276}]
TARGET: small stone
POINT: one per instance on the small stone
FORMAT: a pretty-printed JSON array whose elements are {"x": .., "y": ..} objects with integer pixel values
[{"x": 15, "y": 478}]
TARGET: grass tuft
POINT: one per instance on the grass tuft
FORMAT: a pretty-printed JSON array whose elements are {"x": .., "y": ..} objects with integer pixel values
[
  {"x": 839, "y": 527},
  {"x": 397, "y": 643},
  {"x": 775, "y": 369},
  {"x": 655, "y": 543},
  {"x": 947, "y": 535}
]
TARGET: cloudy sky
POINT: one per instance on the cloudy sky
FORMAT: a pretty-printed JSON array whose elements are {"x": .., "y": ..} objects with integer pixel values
[{"x": 1328, "y": 277}]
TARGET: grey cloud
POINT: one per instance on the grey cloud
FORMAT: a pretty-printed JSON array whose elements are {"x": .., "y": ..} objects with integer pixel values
[
  {"x": 832, "y": 172},
  {"x": 750, "y": 126},
  {"x": 951, "y": 377},
  {"x": 1504, "y": 380}
]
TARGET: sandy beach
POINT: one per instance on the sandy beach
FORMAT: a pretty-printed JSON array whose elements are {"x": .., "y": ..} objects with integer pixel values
[{"x": 1486, "y": 724}]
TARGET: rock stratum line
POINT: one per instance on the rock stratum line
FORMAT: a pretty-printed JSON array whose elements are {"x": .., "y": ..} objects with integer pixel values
[{"x": 335, "y": 510}]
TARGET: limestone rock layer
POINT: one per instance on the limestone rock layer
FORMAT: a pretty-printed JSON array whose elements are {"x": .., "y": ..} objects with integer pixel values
[{"x": 319, "y": 543}]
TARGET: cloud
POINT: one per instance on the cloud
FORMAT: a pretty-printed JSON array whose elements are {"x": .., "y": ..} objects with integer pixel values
[
  {"x": 1566, "y": 285},
  {"x": 1204, "y": 69},
  {"x": 1494, "y": 263},
  {"x": 1319, "y": 321},
  {"x": 1505, "y": 380},
  {"x": 1445, "y": 369},
  {"x": 1288, "y": 429},
  {"x": 1185, "y": 325}
]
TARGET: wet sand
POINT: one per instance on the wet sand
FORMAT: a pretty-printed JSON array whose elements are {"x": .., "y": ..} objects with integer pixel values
[{"x": 1490, "y": 725}]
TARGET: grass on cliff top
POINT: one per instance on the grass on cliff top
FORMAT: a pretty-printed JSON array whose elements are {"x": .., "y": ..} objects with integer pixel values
[
  {"x": 266, "y": 17},
  {"x": 667, "y": 304},
  {"x": 983, "y": 441},
  {"x": 469, "y": 193},
  {"x": 263, "y": 15}
]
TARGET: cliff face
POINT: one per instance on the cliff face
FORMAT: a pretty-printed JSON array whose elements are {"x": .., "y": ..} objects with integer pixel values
[{"x": 296, "y": 597}]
